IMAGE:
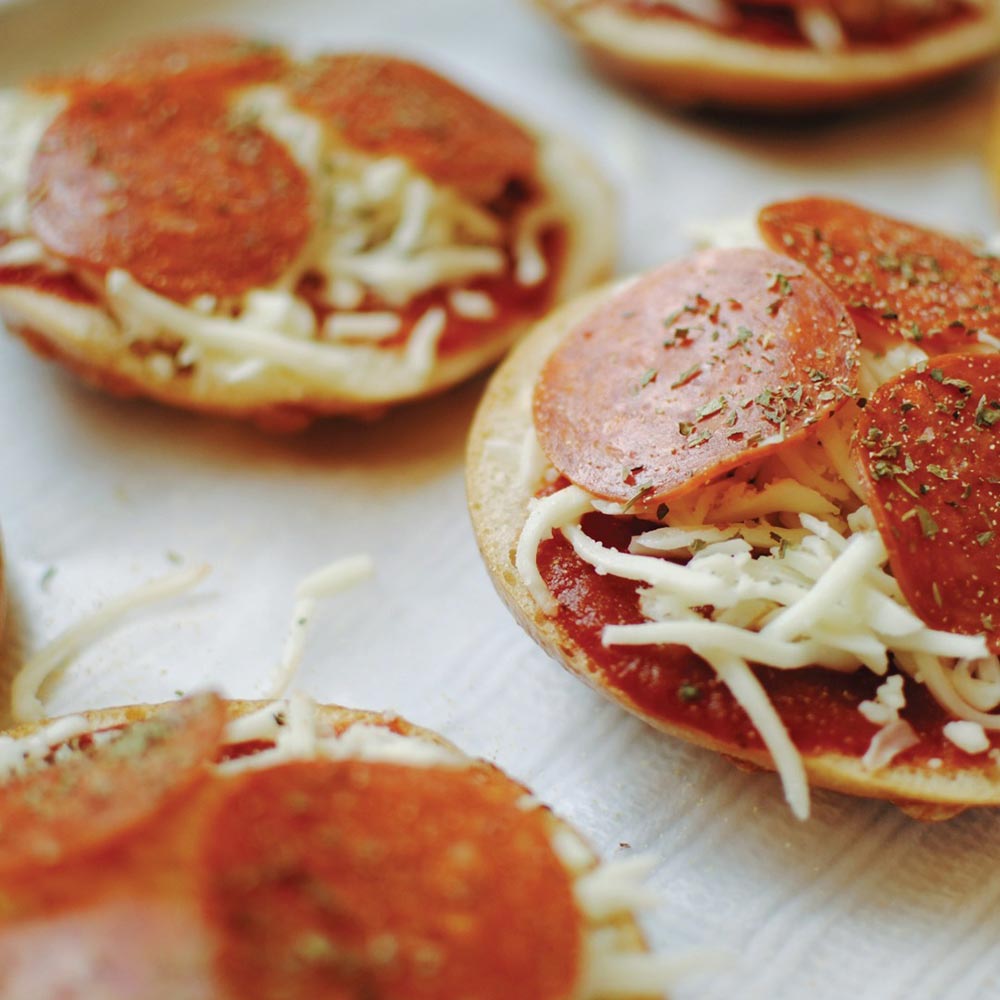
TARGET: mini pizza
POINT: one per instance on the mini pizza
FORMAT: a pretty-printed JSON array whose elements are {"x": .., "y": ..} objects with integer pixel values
[
  {"x": 752, "y": 496},
  {"x": 206, "y": 222},
  {"x": 210, "y": 850},
  {"x": 777, "y": 55}
]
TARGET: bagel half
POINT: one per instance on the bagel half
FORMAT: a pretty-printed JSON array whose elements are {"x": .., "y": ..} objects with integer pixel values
[
  {"x": 121, "y": 257},
  {"x": 69, "y": 901},
  {"x": 687, "y": 63},
  {"x": 499, "y": 492}
]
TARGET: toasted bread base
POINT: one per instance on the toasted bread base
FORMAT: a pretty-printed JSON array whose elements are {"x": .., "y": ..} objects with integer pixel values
[
  {"x": 80, "y": 336},
  {"x": 498, "y": 501},
  {"x": 692, "y": 65}
]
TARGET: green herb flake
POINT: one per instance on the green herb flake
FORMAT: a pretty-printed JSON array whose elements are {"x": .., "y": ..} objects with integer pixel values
[
  {"x": 662, "y": 511},
  {"x": 780, "y": 283},
  {"x": 985, "y": 538},
  {"x": 687, "y": 376},
  {"x": 637, "y": 496},
  {"x": 689, "y": 693},
  {"x": 743, "y": 334},
  {"x": 987, "y": 414},
  {"x": 965, "y": 388},
  {"x": 928, "y": 525},
  {"x": 712, "y": 407}
]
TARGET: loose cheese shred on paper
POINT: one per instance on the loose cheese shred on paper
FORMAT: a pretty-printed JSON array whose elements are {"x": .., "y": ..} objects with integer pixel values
[
  {"x": 26, "y": 705},
  {"x": 325, "y": 582}
]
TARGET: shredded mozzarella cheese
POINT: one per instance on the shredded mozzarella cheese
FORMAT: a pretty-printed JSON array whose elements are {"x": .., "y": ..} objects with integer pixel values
[
  {"x": 967, "y": 736},
  {"x": 325, "y": 582},
  {"x": 26, "y": 705},
  {"x": 795, "y": 575}
]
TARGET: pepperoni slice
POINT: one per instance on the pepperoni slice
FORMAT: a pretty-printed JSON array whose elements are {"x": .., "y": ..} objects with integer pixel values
[
  {"x": 108, "y": 949},
  {"x": 914, "y": 283},
  {"x": 98, "y": 796},
  {"x": 351, "y": 879},
  {"x": 162, "y": 184},
  {"x": 390, "y": 107},
  {"x": 201, "y": 59},
  {"x": 691, "y": 371},
  {"x": 928, "y": 444}
]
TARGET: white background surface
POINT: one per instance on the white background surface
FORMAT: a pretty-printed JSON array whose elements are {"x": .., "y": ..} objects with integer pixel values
[{"x": 861, "y": 901}]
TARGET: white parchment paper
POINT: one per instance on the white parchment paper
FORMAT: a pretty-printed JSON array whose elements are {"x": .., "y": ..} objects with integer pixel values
[{"x": 98, "y": 495}]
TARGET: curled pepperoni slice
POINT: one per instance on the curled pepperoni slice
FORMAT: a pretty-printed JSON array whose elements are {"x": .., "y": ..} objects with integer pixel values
[
  {"x": 691, "y": 371},
  {"x": 351, "y": 879},
  {"x": 913, "y": 283},
  {"x": 99, "y": 795},
  {"x": 161, "y": 183},
  {"x": 391, "y": 107},
  {"x": 928, "y": 444},
  {"x": 200, "y": 59}
]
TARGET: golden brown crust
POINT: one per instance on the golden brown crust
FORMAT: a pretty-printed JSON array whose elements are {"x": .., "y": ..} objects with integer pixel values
[
  {"x": 498, "y": 499},
  {"x": 688, "y": 64}
]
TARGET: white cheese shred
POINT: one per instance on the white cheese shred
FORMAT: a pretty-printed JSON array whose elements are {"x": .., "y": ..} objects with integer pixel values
[
  {"x": 26, "y": 704},
  {"x": 324, "y": 582},
  {"x": 544, "y": 516},
  {"x": 615, "y": 887},
  {"x": 619, "y": 975}
]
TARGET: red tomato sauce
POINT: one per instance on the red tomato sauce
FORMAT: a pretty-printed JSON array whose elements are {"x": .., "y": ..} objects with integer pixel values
[
  {"x": 61, "y": 284},
  {"x": 819, "y": 707}
]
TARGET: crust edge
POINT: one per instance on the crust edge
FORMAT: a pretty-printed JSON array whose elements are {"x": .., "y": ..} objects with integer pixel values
[{"x": 691, "y": 65}]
